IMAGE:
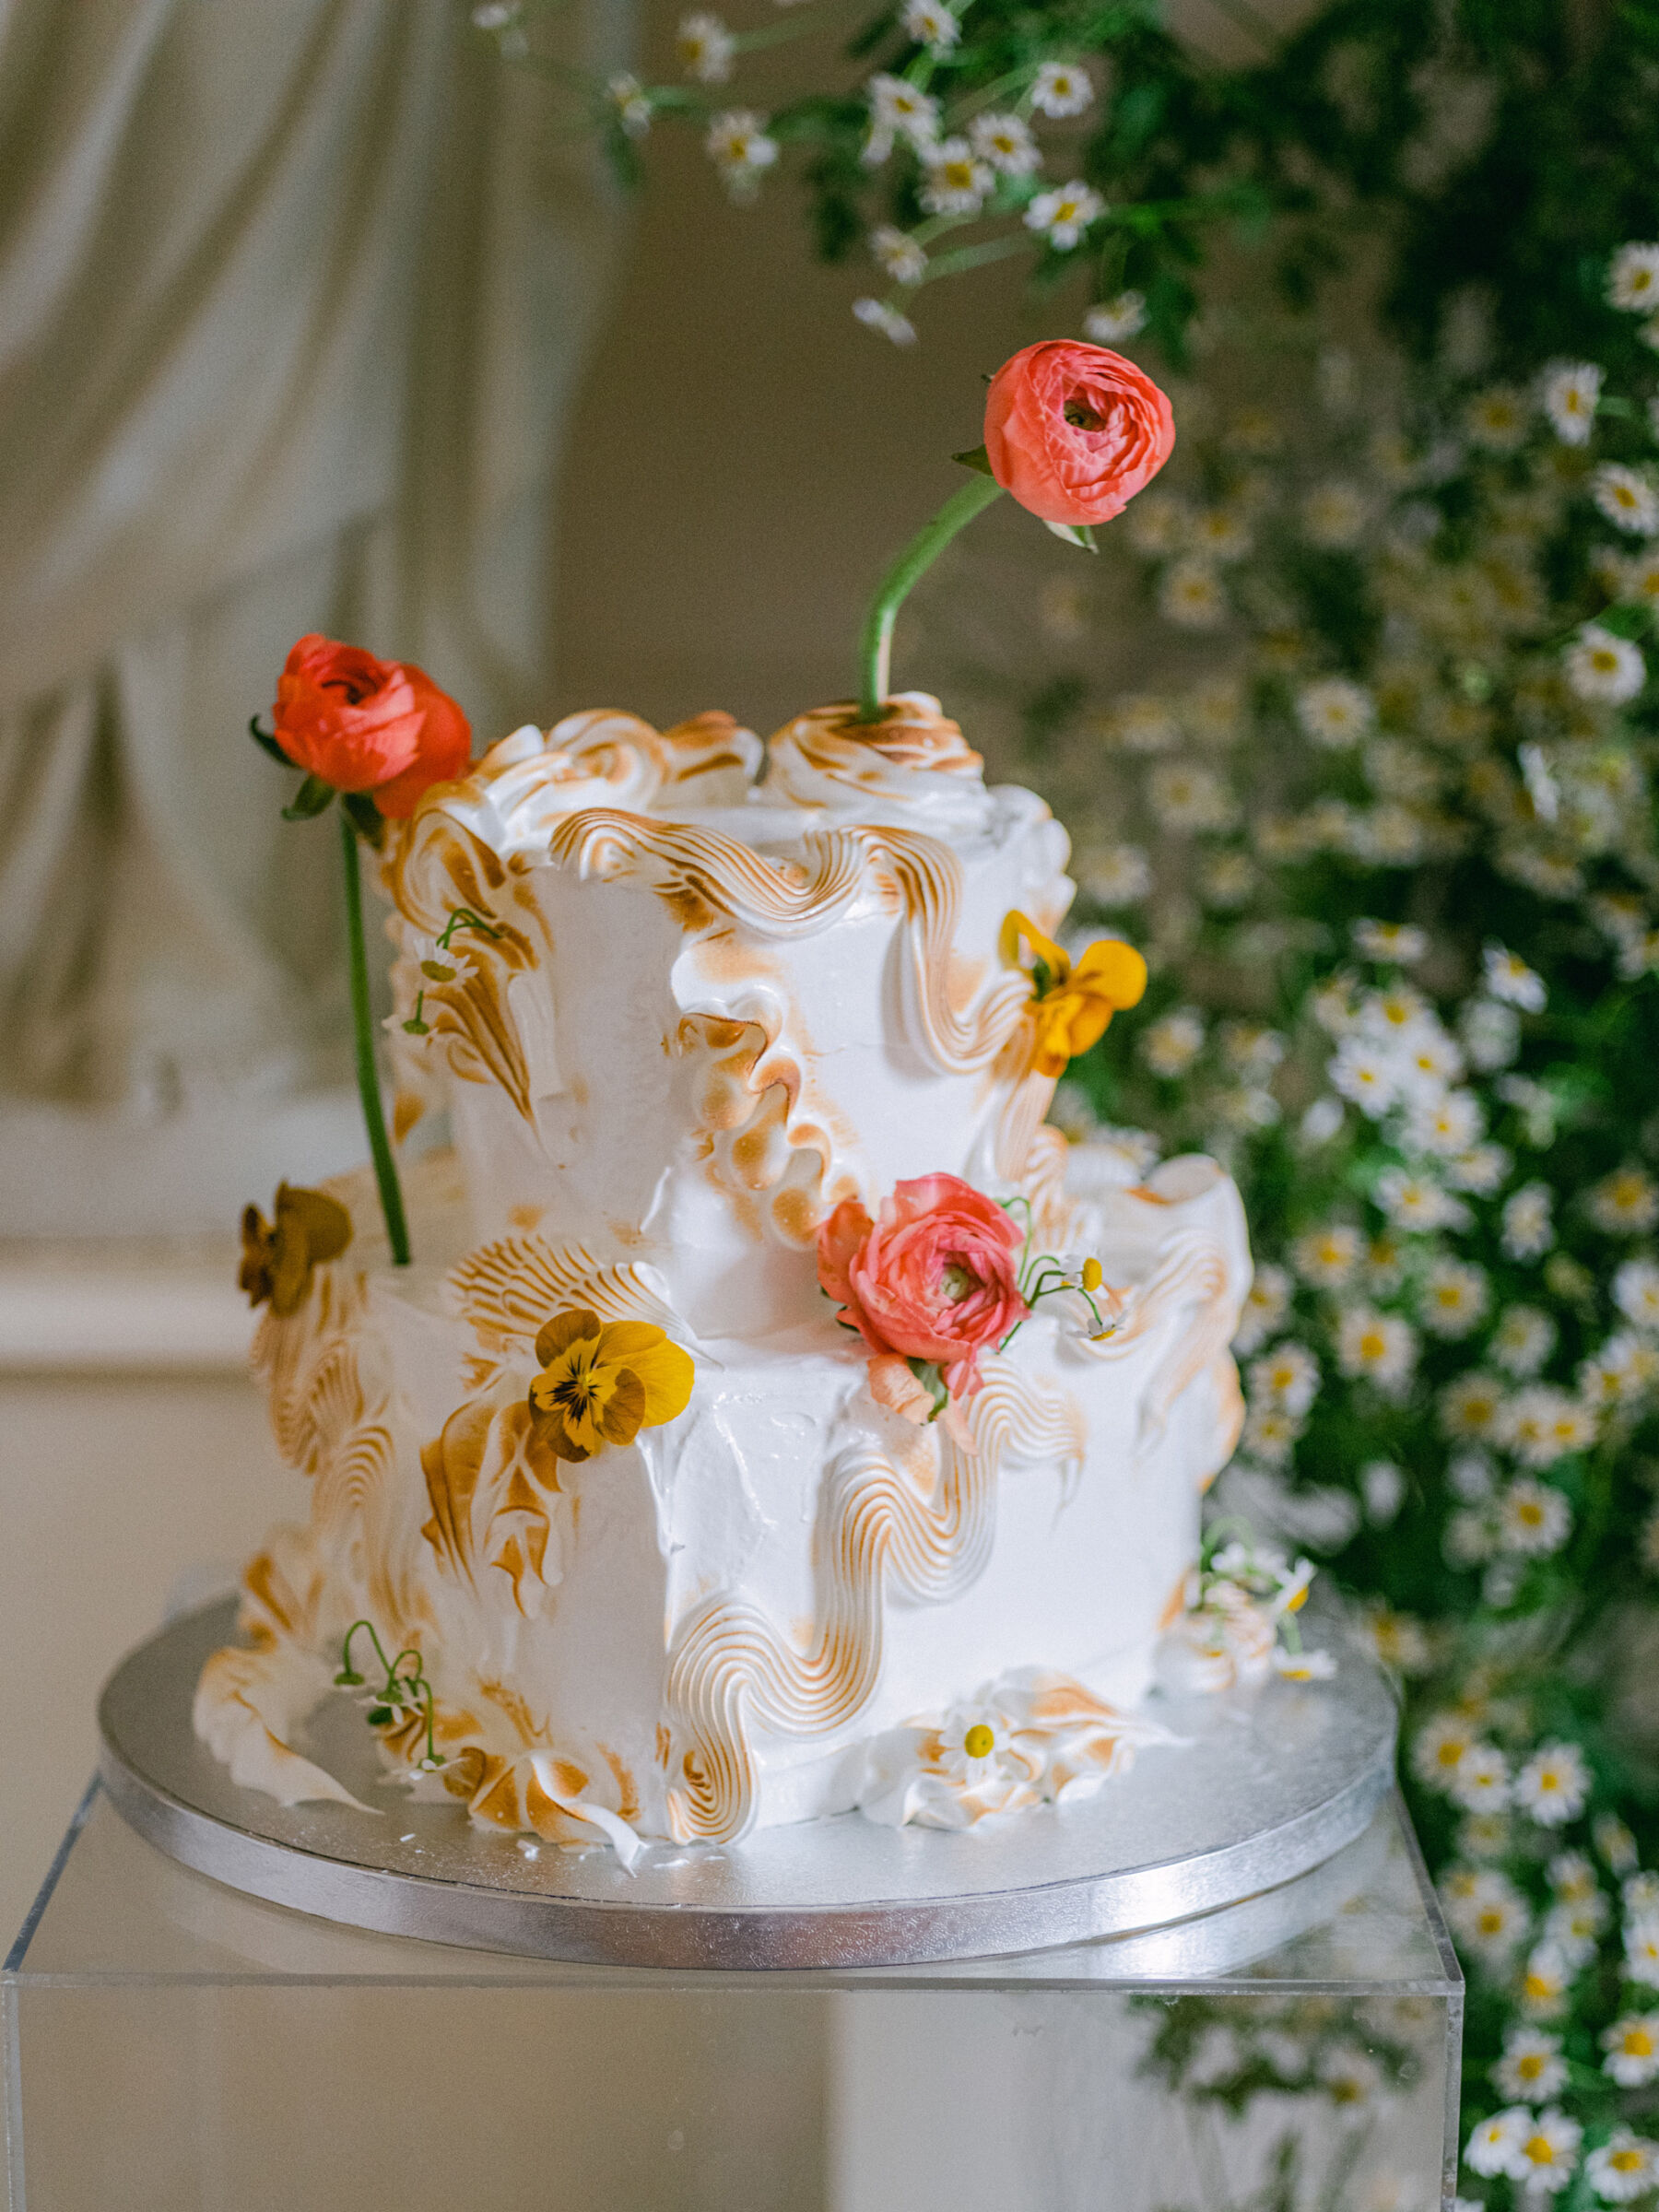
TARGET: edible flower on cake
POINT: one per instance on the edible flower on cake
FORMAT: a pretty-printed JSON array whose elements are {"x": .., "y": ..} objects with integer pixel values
[
  {"x": 356, "y": 723},
  {"x": 934, "y": 1279},
  {"x": 602, "y": 1382},
  {"x": 278, "y": 1255},
  {"x": 1072, "y": 1006}
]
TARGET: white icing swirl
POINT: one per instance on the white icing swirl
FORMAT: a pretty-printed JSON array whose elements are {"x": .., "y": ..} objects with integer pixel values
[{"x": 914, "y": 766}]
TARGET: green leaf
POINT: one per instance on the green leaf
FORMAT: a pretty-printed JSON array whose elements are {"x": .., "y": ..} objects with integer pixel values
[
  {"x": 1625, "y": 622},
  {"x": 1075, "y": 535},
  {"x": 309, "y": 801},
  {"x": 370, "y": 821},
  {"x": 266, "y": 743},
  {"x": 976, "y": 458}
]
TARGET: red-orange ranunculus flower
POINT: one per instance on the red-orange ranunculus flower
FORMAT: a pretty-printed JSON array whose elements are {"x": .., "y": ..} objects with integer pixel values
[
  {"x": 363, "y": 724},
  {"x": 1075, "y": 432}
]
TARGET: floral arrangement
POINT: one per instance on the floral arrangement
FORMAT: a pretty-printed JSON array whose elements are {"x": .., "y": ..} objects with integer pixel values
[
  {"x": 1392, "y": 847},
  {"x": 1086, "y": 145}
]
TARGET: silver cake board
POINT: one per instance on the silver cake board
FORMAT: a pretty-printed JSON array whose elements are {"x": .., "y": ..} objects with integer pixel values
[{"x": 1267, "y": 1785}]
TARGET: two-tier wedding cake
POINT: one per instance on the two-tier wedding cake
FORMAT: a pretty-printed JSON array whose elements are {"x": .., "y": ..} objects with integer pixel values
[{"x": 634, "y": 1512}]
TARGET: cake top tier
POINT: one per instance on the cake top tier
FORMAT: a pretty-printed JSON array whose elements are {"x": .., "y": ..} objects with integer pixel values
[{"x": 677, "y": 1013}]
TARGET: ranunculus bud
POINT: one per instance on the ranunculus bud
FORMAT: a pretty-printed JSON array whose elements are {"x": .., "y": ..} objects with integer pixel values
[
  {"x": 1075, "y": 432},
  {"x": 363, "y": 724}
]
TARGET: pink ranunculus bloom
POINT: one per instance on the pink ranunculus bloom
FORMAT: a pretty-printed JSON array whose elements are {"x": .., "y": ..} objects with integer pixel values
[
  {"x": 933, "y": 1278},
  {"x": 1074, "y": 432}
]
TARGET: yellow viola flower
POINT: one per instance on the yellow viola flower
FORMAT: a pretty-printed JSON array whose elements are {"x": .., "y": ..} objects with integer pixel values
[
  {"x": 1071, "y": 1006},
  {"x": 278, "y": 1256},
  {"x": 602, "y": 1381}
]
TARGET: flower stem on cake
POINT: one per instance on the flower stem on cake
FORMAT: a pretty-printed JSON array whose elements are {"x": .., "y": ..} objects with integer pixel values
[
  {"x": 379, "y": 733},
  {"x": 1073, "y": 431},
  {"x": 401, "y": 1692}
]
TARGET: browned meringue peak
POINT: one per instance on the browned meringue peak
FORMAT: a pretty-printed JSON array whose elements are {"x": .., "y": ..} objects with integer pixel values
[
  {"x": 599, "y": 757},
  {"x": 914, "y": 766}
]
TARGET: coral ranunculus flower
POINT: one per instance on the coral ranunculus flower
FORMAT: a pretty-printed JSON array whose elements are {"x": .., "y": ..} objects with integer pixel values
[
  {"x": 363, "y": 724},
  {"x": 602, "y": 1382},
  {"x": 1075, "y": 432},
  {"x": 1071, "y": 1006},
  {"x": 934, "y": 1278}
]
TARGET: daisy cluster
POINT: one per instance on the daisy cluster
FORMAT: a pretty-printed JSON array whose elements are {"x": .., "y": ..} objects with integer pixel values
[{"x": 1391, "y": 849}]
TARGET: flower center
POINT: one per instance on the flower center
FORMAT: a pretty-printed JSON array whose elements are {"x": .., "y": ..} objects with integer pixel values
[
  {"x": 958, "y": 1281},
  {"x": 1079, "y": 413},
  {"x": 979, "y": 1742}
]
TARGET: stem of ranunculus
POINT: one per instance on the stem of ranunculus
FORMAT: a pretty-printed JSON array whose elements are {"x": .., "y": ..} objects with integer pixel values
[
  {"x": 368, "y": 1078},
  {"x": 877, "y": 644}
]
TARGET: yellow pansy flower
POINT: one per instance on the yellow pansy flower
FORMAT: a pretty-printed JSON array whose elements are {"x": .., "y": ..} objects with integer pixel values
[
  {"x": 602, "y": 1381},
  {"x": 1071, "y": 1006}
]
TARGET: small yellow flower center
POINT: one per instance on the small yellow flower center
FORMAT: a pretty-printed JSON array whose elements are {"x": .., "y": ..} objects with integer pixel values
[
  {"x": 1539, "y": 2150},
  {"x": 1628, "y": 2161},
  {"x": 1638, "y": 2043},
  {"x": 979, "y": 1742},
  {"x": 1093, "y": 1275}
]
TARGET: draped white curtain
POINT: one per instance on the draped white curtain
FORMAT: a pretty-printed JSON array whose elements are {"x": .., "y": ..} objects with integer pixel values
[{"x": 292, "y": 298}]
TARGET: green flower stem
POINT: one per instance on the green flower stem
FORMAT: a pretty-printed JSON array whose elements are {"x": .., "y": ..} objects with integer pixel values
[
  {"x": 876, "y": 646},
  {"x": 368, "y": 1078}
]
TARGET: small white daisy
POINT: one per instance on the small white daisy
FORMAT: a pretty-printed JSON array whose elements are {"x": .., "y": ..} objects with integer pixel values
[
  {"x": 897, "y": 110},
  {"x": 899, "y": 254},
  {"x": 1170, "y": 1046},
  {"x": 1113, "y": 321},
  {"x": 1440, "y": 1748},
  {"x": 1490, "y": 1034},
  {"x": 1623, "y": 2168},
  {"x": 1546, "y": 2156},
  {"x": 1288, "y": 1376},
  {"x": 1497, "y": 419},
  {"x": 1365, "y": 1073},
  {"x": 1417, "y": 1204},
  {"x": 1334, "y": 514},
  {"x": 705, "y": 47},
  {"x": 1636, "y": 1293},
  {"x": 631, "y": 102},
  {"x": 1380, "y": 1346},
  {"x": 1495, "y": 2144},
  {"x": 1005, "y": 143},
  {"x": 1482, "y": 1781},
  {"x": 1400, "y": 942},
  {"x": 1191, "y": 596},
  {"x": 1633, "y": 2048},
  {"x": 1327, "y": 1257},
  {"x": 1061, "y": 88},
  {"x": 1625, "y": 1204},
  {"x": 1335, "y": 712},
  {"x": 1265, "y": 1305},
  {"x": 738, "y": 146},
  {"x": 1641, "y": 1949},
  {"x": 1633, "y": 278},
  {"x": 1528, "y": 1228},
  {"x": 1453, "y": 1299},
  {"x": 1626, "y": 498},
  {"x": 955, "y": 180},
  {"x": 1570, "y": 392},
  {"x": 1532, "y": 2066},
  {"x": 876, "y": 314},
  {"x": 1063, "y": 215},
  {"x": 1604, "y": 667},
  {"x": 1533, "y": 1519},
  {"x": 1118, "y": 876},
  {"x": 1524, "y": 1339},
  {"x": 932, "y": 24},
  {"x": 1508, "y": 977},
  {"x": 1541, "y": 1424},
  {"x": 1554, "y": 1784}
]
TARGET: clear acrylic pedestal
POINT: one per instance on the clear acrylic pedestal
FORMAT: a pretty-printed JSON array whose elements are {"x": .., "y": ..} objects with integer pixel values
[{"x": 170, "y": 2045}]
